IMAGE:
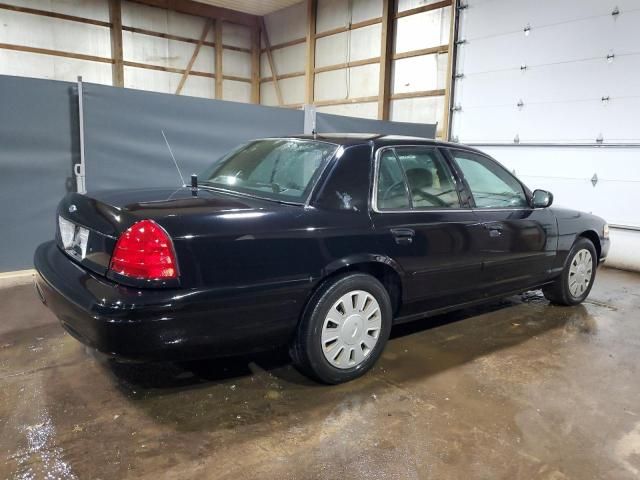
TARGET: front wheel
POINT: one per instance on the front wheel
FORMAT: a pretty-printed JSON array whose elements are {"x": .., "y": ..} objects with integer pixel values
[
  {"x": 576, "y": 280},
  {"x": 344, "y": 329}
]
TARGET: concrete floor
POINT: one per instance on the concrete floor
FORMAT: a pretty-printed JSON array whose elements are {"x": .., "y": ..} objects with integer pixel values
[{"x": 518, "y": 389}]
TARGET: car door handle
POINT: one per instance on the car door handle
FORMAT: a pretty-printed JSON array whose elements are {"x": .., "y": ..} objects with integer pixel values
[
  {"x": 403, "y": 236},
  {"x": 495, "y": 229}
]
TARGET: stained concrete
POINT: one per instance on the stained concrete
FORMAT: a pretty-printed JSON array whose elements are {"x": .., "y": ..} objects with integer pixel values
[{"x": 517, "y": 389}]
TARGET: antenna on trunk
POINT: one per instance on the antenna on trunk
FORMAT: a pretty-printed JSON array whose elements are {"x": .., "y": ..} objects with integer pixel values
[{"x": 173, "y": 158}]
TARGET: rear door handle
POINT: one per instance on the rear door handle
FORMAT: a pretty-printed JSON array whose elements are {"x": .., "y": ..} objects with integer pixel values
[
  {"x": 403, "y": 236},
  {"x": 495, "y": 229}
]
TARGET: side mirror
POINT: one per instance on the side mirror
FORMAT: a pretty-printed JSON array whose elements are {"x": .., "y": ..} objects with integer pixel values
[{"x": 541, "y": 199}]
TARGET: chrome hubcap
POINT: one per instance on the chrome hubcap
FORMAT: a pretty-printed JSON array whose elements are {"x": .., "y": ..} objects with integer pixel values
[
  {"x": 351, "y": 329},
  {"x": 580, "y": 272}
]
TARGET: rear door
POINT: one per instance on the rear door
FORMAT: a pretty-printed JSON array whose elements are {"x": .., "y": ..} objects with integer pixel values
[
  {"x": 518, "y": 243},
  {"x": 423, "y": 224}
]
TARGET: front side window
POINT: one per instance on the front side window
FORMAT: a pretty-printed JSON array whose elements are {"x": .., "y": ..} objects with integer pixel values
[
  {"x": 280, "y": 169},
  {"x": 491, "y": 185}
]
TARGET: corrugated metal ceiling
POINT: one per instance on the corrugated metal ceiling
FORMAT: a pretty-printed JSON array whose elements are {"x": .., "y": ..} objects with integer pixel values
[{"x": 255, "y": 7}]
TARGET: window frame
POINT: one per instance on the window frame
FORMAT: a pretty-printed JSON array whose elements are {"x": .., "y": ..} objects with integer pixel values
[
  {"x": 472, "y": 200},
  {"x": 455, "y": 178}
]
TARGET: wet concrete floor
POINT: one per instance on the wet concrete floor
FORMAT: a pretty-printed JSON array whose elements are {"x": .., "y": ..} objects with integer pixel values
[{"x": 517, "y": 389}]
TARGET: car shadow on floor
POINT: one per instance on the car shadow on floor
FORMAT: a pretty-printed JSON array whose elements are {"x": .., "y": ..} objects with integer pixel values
[{"x": 488, "y": 321}]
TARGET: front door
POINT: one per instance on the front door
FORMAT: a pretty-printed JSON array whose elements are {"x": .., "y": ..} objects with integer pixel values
[
  {"x": 518, "y": 242},
  {"x": 422, "y": 223}
]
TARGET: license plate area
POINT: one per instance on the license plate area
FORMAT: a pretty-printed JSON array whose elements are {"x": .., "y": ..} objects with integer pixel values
[{"x": 74, "y": 238}]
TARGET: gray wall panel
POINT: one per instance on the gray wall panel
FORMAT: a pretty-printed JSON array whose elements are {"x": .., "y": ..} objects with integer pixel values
[
  {"x": 124, "y": 145},
  {"x": 39, "y": 144},
  {"x": 328, "y": 123}
]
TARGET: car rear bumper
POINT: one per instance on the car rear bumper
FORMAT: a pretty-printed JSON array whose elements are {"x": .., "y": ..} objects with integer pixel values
[{"x": 149, "y": 324}]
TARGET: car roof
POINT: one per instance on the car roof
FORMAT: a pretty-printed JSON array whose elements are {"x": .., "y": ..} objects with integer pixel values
[{"x": 377, "y": 140}]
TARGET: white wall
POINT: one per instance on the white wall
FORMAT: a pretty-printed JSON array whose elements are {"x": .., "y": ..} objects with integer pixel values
[
  {"x": 30, "y": 30},
  {"x": 567, "y": 74},
  {"x": 415, "y": 74}
]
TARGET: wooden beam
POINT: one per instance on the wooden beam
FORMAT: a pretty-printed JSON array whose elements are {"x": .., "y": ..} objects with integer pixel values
[
  {"x": 290, "y": 43},
  {"x": 200, "y": 9},
  {"x": 218, "y": 61},
  {"x": 162, "y": 68},
  {"x": 284, "y": 76},
  {"x": 236, "y": 49},
  {"x": 424, "y": 8},
  {"x": 194, "y": 55},
  {"x": 60, "y": 16},
  {"x": 126, "y": 63},
  {"x": 236, "y": 78},
  {"x": 345, "y": 101},
  {"x": 340, "y": 66},
  {"x": 422, "y": 51},
  {"x": 117, "y": 69},
  {"x": 274, "y": 73},
  {"x": 152, "y": 33},
  {"x": 178, "y": 38},
  {"x": 420, "y": 94},
  {"x": 312, "y": 11},
  {"x": 386, "y": 58},
  {"x": 255, "y": 64},
  {"x": 57, "y": 53},
  {"x": 353, "y": 26}
]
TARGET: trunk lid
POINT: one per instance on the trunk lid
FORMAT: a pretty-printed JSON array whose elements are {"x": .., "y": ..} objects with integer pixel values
[{"x": 106, "y": 215}]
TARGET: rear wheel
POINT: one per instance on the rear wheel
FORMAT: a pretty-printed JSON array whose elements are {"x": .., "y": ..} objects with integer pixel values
[
  {"x": 576, "y": 280},
  {"x": 344, "y": 329}
]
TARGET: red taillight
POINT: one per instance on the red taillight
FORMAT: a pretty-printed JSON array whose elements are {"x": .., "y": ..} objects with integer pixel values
[{"x": 145, "y": 252}]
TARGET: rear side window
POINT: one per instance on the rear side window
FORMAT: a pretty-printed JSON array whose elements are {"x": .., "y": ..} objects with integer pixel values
[
  {"x": 415, "y": 177},
  {"x": 431, "y": 183},
  {"x": 392, "y": 191},
  {"x": 491, "y": 185}
]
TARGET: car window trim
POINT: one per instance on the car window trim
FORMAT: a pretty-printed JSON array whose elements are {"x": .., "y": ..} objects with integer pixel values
[
  {"x": 374, "y": 194},
  {"x": 525, "y": 189}
]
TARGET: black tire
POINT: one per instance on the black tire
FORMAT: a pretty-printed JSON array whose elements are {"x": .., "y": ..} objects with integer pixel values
[
  {"x": 307, "y": 349},
  {"x": 559, "y": 292}
]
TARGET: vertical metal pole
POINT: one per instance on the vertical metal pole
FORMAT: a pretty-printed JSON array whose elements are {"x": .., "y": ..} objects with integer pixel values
[
  {"x": 454, "y": 67},
  {"x": 309, "y": 119},
  {"x": 79, "y": 168}
]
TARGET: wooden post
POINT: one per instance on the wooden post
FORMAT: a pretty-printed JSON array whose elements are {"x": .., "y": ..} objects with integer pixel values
[
  {"x": 274, "y": 73},
  {"x": 115, "y": 17},
  {"x": 312, "y": 9},
  {"x": 450, "y": 66},
  {"x": 218, "y": 53},
  {"x": 255, "y": 64},
  {"x": 386, "y": 58},
  {"x": 201, "y": 40}
]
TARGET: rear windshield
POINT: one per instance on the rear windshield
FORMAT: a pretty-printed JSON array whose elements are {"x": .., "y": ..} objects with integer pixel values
[{"x": 279, "y": 169}]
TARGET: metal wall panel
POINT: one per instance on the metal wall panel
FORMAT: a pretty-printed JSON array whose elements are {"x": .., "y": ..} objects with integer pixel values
[
  {"x": 327, "y": 123},
  {"x": 367, "y": 110},
  {"x": 293, "y": 90},
  {"x": 27, "y": 64},
  {"x": 347, "y": 83},
  {"x": 167, "y": 82},
  {"x": 94, "y": 9},
  {"x": 335, "y": 13},
  {"x": 39, "y": 138},
  {"x": 124, "y": 143},
  {"x": 53, "y": 33}
]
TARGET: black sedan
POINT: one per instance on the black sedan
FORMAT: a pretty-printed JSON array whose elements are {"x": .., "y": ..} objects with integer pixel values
[{"x": 321, "y": 243}]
